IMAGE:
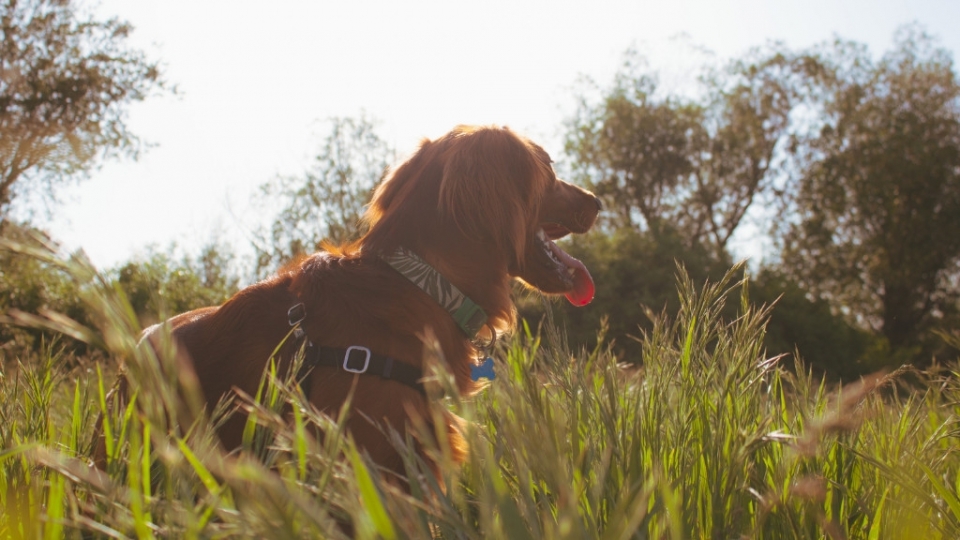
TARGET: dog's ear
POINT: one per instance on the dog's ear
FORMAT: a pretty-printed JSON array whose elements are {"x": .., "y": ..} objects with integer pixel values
[
  {"x": 489, "y": 190},
  {"x": 397, "y": 186}
]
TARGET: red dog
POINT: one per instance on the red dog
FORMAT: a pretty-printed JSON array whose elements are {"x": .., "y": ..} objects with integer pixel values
[{"x": 448, "y": 231}]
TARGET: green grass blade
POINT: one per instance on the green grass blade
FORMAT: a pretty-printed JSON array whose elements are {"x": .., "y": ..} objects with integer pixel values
[
  {"x": 206, "y": 478},
  {"x": 874, "y": 533},
  {"x": 300, "y": 443},
  {"x": 688, "y": 347},
  {"x": 371, "y": 499},
  {"x": 943, "y": 491},
  {"x": 56, "y": 496},
  {"x": 75, "y": 419},
  {"x": 146, "y": 461},
  {"x": 107, "y": 424}
]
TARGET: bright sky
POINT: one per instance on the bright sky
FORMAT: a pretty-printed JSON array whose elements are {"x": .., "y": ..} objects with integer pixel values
[{"x": 256, "y": 80}]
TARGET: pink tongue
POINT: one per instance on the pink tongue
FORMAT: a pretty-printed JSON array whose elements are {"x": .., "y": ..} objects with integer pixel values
[{"x": 583, "y": 287}]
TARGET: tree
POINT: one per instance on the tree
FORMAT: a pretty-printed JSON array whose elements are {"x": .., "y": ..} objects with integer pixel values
[
  {"x": 65, "y": 84},
  {"x": 634, "y": 148},
  {"x": 680, "y": 175},
  {"x": 327, "y": 202},
  {"x": 691, "y": 167},
  {"x": 878, "y": 201}
]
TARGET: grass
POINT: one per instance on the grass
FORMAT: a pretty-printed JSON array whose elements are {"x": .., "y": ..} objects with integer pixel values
[{"x": 709, "y": 439}]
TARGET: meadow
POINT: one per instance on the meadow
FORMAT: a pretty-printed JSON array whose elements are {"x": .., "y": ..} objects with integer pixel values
[{"x": 703, "y": 436}]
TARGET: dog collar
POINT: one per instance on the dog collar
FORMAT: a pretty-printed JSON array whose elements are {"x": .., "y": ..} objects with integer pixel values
[{"x": 469, "y": 316}]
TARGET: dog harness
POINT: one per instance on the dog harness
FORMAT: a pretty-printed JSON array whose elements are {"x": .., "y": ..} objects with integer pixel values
[
  {"x": 354, "y": 359},
  {"x": 357, "y": 359}
]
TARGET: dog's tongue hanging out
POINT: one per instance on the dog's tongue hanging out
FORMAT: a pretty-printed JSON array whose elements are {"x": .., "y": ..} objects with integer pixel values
[{"x": 583, "y": 287}]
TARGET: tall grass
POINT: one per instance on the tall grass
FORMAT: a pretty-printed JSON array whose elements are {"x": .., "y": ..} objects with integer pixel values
[{"x": 708, "y": 439}]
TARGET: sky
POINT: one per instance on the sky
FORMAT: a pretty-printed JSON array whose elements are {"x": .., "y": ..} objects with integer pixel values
[{"x": 256, "y": 81}]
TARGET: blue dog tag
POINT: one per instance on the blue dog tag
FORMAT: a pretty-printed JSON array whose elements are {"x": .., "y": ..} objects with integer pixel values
[{"x": 483, "y": 371}]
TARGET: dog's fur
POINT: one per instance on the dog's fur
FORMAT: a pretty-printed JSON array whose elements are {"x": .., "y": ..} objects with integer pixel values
[{"x": 470, "y": 204}]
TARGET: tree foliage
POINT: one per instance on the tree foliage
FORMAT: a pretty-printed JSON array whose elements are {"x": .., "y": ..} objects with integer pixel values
[
  {"x": 65, "y": 84},
  {"x": 860, "y": 158},
  {"x": 691, "y": 167},
  {"x": 328, "y": 200},
  {"x": 877, "y": 228}
]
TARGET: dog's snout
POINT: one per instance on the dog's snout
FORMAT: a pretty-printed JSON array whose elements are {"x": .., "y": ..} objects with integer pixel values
[{"x": 598, "y": 203}]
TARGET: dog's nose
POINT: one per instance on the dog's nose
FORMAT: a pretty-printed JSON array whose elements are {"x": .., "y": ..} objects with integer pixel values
[{"x": 599, "y": 204}]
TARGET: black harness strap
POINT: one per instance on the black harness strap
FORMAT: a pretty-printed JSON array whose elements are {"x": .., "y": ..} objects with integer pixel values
[
  {"x": 355, "y": 359},
  {"x": 361, "y": 361}
]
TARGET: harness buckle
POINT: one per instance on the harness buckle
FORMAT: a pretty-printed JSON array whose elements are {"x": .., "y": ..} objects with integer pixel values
[
  {"x": 296, "y": 314},
  {"x": 366, "y": 359}
]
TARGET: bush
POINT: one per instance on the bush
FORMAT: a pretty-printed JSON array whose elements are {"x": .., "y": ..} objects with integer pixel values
[
  {"x": 159, "y": 286},
  {"x": 825, "y": 341},
  {"x": 31, "y": 285}
]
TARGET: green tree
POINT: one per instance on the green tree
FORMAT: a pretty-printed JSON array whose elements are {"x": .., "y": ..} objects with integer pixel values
[
  {"x": 634, "y": 148},
  {"x": 877, "y": 229},
  {"x": 688, "y": 167},
  {"x": 680, "y": 175},
  {"x": 65, "y": 84},
  {"x": 328, "y": 200}
]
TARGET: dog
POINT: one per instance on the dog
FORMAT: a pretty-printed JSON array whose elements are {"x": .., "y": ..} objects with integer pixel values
[{"x": 447, "y": 232}]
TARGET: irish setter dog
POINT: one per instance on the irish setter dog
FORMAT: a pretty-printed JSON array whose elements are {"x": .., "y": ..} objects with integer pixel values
[{"x": 470, "y": 211}]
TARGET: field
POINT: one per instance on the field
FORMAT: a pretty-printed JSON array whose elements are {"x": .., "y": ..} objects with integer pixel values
[{"x": 708, "y": 439}]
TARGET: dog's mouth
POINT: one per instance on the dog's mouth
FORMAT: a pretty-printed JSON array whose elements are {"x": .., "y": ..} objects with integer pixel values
[{"x": 571, "y": 272}]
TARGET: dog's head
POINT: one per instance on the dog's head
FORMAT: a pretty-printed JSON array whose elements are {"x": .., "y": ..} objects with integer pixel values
[{"x": 491, "y": 194}]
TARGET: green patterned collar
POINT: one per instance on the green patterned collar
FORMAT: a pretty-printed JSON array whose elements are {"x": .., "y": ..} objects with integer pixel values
[{"x": 469, "y": 316}]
